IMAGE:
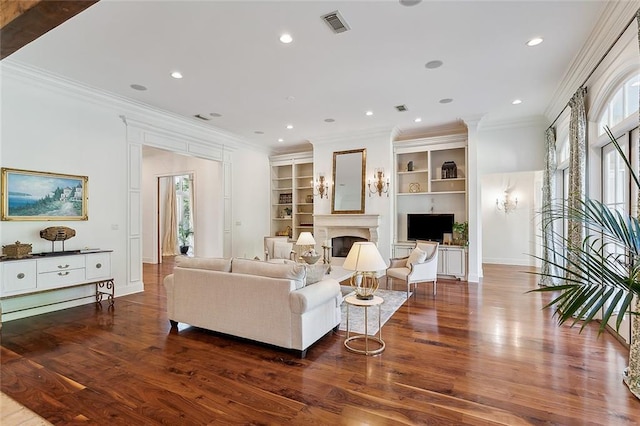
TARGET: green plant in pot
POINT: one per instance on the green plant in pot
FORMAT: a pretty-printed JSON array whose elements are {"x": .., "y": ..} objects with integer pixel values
[
  {"x": 184, "y": 232},
  {"x": 602, "y": 274},
  {"x": 461, "y": 233}
]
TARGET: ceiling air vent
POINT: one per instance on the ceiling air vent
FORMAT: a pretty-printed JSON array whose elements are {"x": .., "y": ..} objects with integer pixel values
[
  {"x": 336, "y": 22},
  {"x": 202, "y": 117},
  {"x": 402, "y": 108}
]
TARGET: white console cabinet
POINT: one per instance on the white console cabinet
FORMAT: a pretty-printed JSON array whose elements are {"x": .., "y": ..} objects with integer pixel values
[{"x": 41, "y": 273}]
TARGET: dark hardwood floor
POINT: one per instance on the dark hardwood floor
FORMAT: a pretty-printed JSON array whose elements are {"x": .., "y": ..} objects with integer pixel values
[{"x": 477, "y": 354}]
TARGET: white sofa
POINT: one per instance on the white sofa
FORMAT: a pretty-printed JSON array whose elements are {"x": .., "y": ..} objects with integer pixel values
[{"x": 255, "y": 300}]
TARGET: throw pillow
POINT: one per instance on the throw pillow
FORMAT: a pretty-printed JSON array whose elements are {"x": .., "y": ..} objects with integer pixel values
[
  {"x": 212, "y": 264},
  {"x": 416, "y": 256},
  {"x": 286, "y": 271},
  {"x": 315, "y": 273},
  {"x": 282, "y": 250}
]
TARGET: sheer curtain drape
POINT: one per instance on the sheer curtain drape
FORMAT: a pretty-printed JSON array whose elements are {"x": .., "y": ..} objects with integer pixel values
[
  {"x": 632, "y": 373},
  {"x": 548, "y": 186},
  {"x": 170, "y": 225},
  {"x": 577, "y": 171}
]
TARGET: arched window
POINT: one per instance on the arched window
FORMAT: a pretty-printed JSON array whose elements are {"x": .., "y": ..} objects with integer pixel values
[{"x": 623, "y": 104}]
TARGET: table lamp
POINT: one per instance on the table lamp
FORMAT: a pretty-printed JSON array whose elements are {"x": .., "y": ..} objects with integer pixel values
[
  {"x": 309, "y": 254},
  {"x": 366, "y": 260}
]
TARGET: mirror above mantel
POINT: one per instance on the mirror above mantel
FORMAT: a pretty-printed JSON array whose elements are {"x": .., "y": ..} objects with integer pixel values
[{"x": 347, "y": 196}]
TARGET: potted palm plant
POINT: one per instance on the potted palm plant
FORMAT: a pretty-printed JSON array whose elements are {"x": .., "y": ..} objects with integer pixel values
[
  {"x": 184, "y": 232},
  {"x": 602, "y": 274}
]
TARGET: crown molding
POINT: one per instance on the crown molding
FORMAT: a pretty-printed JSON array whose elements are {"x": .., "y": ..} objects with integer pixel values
[
  {"x": 455, "y": 127},
  {"x": 123, "y": 106},
  {"x": 615, "y": 16},
  {"x": 516, "y": 123},
  {"x": 380, "y": 132}
]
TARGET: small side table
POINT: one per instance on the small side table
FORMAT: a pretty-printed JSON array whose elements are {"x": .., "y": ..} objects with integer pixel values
[{"x": 354, "y": 301}]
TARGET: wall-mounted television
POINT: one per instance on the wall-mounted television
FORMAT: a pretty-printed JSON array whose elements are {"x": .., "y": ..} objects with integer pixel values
[{"x": 429, "y": 226}]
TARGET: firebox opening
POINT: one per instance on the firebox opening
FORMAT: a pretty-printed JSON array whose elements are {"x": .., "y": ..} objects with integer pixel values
[{"x": 342, "y": 245}]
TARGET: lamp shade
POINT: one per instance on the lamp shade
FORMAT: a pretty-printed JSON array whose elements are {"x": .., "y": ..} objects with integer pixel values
[
  {"x": 305, "y": 239},
  {"x": 364, "y": 257}
]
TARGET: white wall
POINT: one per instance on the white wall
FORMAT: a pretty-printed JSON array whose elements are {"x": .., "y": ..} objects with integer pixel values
[
  {"x": 379, "y": 154},
  {"x": 46, "y": 130},
  {"x": 511, "y": 238},
  {"x": 208, "y": 206},
  {"x": 251, "y": 186}
]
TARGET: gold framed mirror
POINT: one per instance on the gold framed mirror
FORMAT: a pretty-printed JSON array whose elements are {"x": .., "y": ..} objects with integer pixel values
[{"x": 349, "y": 168}]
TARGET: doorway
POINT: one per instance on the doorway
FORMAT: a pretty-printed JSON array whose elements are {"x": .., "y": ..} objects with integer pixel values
[{"x": 175, "y": 210}]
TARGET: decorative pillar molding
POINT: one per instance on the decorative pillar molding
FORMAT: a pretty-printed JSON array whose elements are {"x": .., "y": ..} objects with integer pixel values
[{"x": 474, "y": 208}]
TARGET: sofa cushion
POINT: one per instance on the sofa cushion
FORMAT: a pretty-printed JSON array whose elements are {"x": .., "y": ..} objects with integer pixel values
[
  {"x": 315, "y": 273},
  {"x": 416, "y": 256},
  {"x": 295, "y": 271},
  {"x": 209, "y": 263}
]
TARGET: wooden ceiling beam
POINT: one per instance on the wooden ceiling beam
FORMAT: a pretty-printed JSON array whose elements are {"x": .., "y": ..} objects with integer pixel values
[{"x": 23, "y": 21}]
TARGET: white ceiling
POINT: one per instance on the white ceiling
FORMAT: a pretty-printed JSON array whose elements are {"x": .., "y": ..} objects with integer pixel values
[{"x": 234, "y": 64}]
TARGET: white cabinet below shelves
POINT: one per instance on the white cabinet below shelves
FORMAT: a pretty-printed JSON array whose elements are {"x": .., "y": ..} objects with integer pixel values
[{"x": 452, "y": 261}]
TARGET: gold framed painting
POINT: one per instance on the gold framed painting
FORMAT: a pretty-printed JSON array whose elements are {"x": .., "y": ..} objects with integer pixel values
[{"x": 32, "y": 195}]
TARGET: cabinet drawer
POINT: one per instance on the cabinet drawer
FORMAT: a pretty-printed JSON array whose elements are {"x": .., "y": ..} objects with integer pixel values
[
  {"x": 98, "y": 266},
  {"x": 18, "y": 277},
  {"x": 61, "y": 263},
  {"x": 61, "y": 278}
]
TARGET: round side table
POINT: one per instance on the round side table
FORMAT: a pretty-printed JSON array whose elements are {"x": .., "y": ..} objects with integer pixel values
[{"x": 354, "y": 301}]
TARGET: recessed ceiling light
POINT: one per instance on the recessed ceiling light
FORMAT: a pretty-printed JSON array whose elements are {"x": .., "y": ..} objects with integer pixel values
[
  {"x": 445, "y": 101},
  {"x": 516, "y": 102},
  {"x": 534, "y": 41},
  {"x": 409, "y": 2},
  {"x": 280, "y": 140},
  {"x": 215, "y": 114},
  {"x": 259, "y": 132},
  {"x": 286, "y": 38},
  {"x": 138, "y": 87},
  {"x": 417, "y": 120},
  {"x": 433, "y": 64},
  {"x": 369, "y": 113},
  {"x": 176, "y": 74},
  {"x": 329, "y": 120},
  {"x": 289, "y": 126}
]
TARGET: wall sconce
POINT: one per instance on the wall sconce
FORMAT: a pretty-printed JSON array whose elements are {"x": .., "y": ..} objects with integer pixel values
[
  {"x": 379, "y": 184},
  {"x": 321, "y": 187},
  {"x": 506, "y": 204}
]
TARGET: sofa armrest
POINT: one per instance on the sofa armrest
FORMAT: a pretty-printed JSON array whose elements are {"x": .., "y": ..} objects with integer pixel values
[{"x": 314, "y": 295}]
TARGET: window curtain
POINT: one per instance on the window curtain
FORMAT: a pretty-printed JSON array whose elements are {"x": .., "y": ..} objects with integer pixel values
[
  {"x": 632, "y": 373},
  {"x": 170, "y": 225},
  {"x": 577, "y": 171},
  {"x": 548, "y": 186}
]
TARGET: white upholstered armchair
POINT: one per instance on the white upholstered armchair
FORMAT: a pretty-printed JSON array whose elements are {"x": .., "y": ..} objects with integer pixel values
[
  {"x": 277, "y": 248},
  {"x": 420, "y": 266}
]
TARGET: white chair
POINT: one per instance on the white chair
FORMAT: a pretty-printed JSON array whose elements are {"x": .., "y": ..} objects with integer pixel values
[
  {"x": 277, "y": 248},
  {"x": 420, "y": 266}
]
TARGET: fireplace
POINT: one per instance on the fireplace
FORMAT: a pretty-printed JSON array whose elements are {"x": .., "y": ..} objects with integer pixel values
[
  {"x": 330, "y": 226},
  {"x": 342, "y": 245}
]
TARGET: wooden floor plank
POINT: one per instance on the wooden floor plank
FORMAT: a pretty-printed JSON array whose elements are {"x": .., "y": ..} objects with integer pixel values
[{"x": 475, "y": 354}]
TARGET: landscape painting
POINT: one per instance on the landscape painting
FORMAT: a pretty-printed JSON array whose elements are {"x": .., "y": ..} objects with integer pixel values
[{"x": 30, "y": 195}]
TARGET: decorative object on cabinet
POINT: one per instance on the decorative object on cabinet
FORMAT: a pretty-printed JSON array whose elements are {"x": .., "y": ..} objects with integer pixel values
[
  {"x": 347, "y": 196},
  {"x": 365, "y": 259},
  {"x": 410, "y": 166},
  {"x": 285, "y": 233},
  {"x": 321, "y": 187},
  {"x": 309, "y": 254},
  {"x": 447, "y": 238},
  {"x": 16, "y": 251},
  {"x": 32, "y": 195},
  {"x": 57, "y": 233},
  {"x": 506, "y": 203},
  {"x": 414, "y": 187},
  {"x": 449, "y": 170},
  {"x": 309, "y": 198},
  {"x": 379, "y": 184},
  {"x": 286, "y": 198}
]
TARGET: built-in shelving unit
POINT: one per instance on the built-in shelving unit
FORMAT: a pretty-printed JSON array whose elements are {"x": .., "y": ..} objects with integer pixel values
[
  {"x": 292, "y": 194},
  {"x": 422, "y": 187}
]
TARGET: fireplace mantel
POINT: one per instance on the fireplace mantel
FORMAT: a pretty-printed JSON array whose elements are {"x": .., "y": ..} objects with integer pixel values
[{"x": 328, "y": 226}]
